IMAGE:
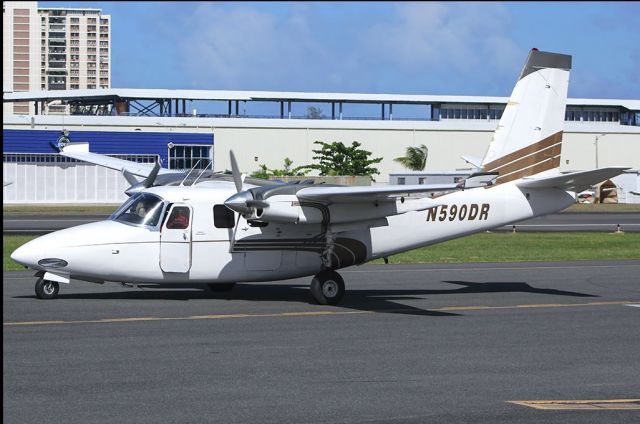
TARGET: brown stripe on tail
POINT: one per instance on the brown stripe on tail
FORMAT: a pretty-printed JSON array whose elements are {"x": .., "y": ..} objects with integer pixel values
[{"x": 532, "y": 159}]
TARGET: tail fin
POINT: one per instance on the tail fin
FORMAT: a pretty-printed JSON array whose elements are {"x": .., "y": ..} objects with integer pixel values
[{"x": 528, "y": 139}]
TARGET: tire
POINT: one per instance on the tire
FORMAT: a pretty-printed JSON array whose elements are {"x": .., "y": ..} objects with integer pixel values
[
  {"x": 221, "y": 287},
  {"x": 47, "y": 289},
  {"x": 327, "y": 288}
]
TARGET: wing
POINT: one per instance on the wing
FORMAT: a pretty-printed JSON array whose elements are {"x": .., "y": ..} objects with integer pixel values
[
  {"x": 330, "y": 195},
  {"x": 80, "y": 151},
  {"x": 574, "y": 181},
  {"x": 313, "y": 204}
]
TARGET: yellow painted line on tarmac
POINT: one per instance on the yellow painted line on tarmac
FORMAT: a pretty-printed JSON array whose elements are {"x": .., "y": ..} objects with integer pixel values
[
  {"x": 581, "y": 405},
  {"x": 538, "y": 305},
  {"x": 311, "y": 313},
  {"x": 187, "y": 318}
]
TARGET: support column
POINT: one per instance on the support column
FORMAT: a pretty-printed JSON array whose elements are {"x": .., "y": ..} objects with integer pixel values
[
  {"x": 340, "y": 107},
  {"x": 382, "y": 113},
  {"x": 390, "y": 111},
  {"x": 229, "y": 107},
  {"x": 333, "y": 110},
  {"x": 281, "y": 110},
  {"x": 289, "y": 108},
  {"x": 237, "y": 107}
]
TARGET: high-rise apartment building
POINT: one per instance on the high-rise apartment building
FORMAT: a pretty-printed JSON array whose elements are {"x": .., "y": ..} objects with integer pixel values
[
  {"x": 54, "y": 49},
  {"x": 20, "y": 51}
]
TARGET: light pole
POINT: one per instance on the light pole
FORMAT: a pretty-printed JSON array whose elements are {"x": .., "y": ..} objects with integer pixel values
[{"x": 596, "y": 144}]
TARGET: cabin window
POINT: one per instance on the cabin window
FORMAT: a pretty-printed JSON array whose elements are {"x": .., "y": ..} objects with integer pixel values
[
  {"x": 179, "y": 218},
  {"x": 223, "y": 217},
  {"x": 140, "y": 209}
]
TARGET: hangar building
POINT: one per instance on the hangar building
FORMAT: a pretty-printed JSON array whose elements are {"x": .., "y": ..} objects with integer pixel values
[{"x": 187, "y": 127}]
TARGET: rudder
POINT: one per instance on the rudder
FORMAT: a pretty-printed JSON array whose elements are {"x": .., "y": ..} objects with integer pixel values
[{"x": 528, "y": 139}]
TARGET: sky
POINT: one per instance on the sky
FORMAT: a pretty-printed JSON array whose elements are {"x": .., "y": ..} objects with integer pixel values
[{"x": 467, "y": 48}]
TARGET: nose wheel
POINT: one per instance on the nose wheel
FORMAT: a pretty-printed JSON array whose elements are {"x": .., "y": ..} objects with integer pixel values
[
  {"x": 47, "y": 289},
  {"x": 327, "y": 288}
]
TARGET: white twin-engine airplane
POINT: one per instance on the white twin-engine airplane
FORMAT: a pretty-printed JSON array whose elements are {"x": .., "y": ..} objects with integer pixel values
[{"x": 220, "y": 232}]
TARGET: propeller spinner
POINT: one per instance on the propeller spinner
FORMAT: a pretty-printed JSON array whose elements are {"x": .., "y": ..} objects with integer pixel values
[{"x": 242, "y": 202}]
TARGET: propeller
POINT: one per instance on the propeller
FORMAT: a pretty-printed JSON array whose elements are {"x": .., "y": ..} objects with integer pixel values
[
  {"x": 146, "y": 183},
  {"x": 242, "y": 202}
]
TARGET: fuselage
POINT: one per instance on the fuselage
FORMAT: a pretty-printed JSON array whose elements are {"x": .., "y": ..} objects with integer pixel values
[{"x": 219, "y": 246}]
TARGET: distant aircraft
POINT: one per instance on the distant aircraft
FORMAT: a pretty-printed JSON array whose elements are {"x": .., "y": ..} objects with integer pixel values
[{"x": 220, "y": 232}]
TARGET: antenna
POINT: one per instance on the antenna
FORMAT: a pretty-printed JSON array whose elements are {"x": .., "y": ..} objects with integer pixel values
[
  {"x": 189, "y": 173},
  {"x": 202, "y": 172}
]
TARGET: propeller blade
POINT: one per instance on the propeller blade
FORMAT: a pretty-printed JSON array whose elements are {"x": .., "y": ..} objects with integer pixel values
[
  {"x": 235, "y": 171},
  {"x": 148, "y": 182},
  {"x": 131, "y": 179}
]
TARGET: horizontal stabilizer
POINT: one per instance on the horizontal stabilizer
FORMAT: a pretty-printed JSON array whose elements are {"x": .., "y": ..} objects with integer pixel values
[
  {"x": 473, "y": 160},
  {"x": 480, "y": 179},
  {"x": 574, "y": 181}
]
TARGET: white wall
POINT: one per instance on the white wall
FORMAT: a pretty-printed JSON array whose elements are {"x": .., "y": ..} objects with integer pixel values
[{"x": 61, "y": 183}]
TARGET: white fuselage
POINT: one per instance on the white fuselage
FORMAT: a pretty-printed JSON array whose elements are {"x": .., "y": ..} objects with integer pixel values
[{"x": 115, "y": 251}]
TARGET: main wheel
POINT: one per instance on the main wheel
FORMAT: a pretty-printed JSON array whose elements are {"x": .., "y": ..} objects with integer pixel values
[
  {"x": 327, "y": 288},
  {"x": 47, "y": 289},
  {"x": 221, "y": 287}
]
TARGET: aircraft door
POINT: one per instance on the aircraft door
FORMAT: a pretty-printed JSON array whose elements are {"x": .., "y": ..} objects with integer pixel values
[{"x": 175, "y": 239}]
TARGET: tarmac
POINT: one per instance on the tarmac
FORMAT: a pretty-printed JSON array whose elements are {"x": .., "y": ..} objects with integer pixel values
[{"x": 447, "y": 343}]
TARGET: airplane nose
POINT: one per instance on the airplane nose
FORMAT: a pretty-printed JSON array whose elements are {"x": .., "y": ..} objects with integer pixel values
[
  {"x": 38, "y": 253},
  {"x": 24, "y": 255}
]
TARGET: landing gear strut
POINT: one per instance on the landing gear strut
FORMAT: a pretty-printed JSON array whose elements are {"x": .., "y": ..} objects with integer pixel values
[
  {"x": 327, "y": 288},
  {"x": 46, "y": 289}
]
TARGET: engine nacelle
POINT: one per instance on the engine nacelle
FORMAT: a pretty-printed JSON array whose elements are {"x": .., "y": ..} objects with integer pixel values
[{"x": 281, "y": 212}]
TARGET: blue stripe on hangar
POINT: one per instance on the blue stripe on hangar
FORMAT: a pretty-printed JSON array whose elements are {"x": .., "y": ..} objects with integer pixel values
[{"x": 104, "y": 142}]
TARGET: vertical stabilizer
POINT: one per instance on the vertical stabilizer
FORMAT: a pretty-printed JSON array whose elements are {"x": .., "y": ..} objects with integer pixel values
[{"x": 528, "y": 139}]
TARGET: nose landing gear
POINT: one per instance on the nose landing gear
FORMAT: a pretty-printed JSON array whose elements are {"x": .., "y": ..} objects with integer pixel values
[
  {"x": 327, "y": 288},
  {"x": 47, "y": 289}
]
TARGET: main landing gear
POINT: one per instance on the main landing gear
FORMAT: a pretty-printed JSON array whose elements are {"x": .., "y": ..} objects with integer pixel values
[
  {"x": 327, "y": 288},
  {"x": 47, "y": 289}
]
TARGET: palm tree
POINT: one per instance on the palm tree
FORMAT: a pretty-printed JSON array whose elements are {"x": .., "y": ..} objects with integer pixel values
[{"x": 415, "y": 159}]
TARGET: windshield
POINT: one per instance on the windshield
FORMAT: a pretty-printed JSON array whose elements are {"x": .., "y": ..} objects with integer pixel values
[{"x": 140, "y": 209}]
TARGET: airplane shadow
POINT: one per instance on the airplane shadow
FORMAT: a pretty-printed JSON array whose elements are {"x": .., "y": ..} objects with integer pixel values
[{"x": 379, "y": 301}]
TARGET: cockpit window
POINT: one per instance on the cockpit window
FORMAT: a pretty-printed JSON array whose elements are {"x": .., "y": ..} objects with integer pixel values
[{"x": 140, "y": 209}]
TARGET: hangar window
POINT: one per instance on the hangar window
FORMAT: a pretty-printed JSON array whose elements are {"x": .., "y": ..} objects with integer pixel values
[
  {"x": 223, "y": 217},
  {"x": 186, "y": 156}
]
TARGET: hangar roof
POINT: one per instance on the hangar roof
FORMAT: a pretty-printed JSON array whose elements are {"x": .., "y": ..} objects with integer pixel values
[{"x": 280, "y": 96}]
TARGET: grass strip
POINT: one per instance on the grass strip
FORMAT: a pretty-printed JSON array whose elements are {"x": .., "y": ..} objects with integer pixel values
[
  {"x": 510, "y": 247},
  {"x": 604, "y": 207},
  {"x": 483, "y": 247}
]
